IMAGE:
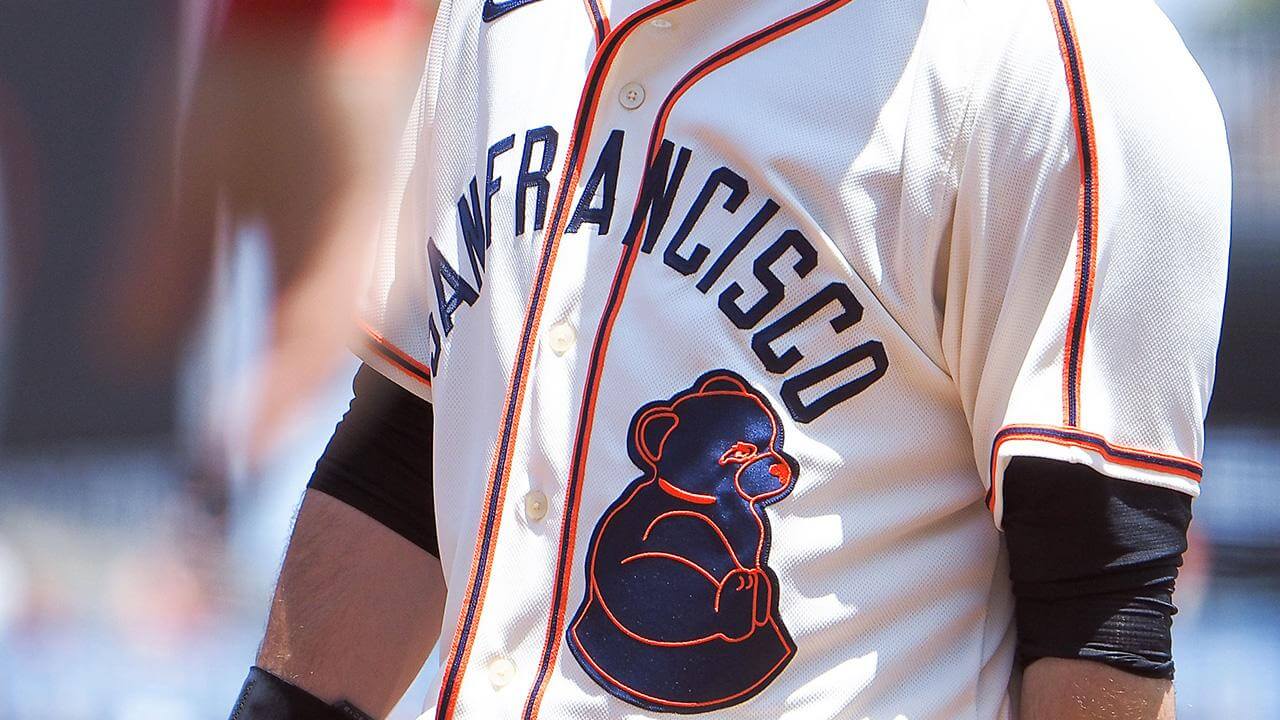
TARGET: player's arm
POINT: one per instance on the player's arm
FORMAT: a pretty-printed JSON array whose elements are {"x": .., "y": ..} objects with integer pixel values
[
  {"x": 1093, "y": 561},
  {"x": 360, "y": 598},
  {"x": 356, "y": 611},
  {"x": 1085, "y": 293},
  {"x": 1058, "y": 689}
]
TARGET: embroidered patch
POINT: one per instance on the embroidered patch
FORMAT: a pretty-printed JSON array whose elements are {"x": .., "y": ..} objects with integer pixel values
[{"x": 681, "y": 608}]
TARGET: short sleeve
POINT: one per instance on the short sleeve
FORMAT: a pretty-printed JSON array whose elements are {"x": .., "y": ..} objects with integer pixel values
[
  {"x": 398, "y": 336},
  {"x": 1089, "y": 248}
]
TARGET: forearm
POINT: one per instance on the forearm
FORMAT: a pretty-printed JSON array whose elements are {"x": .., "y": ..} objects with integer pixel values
[
  {"x": 1060, "y": 689},
  {"x": 356, "y": 611},
  {"x": 1093, "y": 561}
]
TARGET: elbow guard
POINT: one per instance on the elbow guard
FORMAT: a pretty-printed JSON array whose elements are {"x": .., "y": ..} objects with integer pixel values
[{"x": 1093, "y": 561}]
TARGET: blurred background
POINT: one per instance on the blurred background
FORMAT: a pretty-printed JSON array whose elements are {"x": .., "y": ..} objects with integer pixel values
[{"x": 150, "y": 469}]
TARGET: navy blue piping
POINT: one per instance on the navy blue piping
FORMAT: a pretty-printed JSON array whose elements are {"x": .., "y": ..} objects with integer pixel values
[
  {"x": 398, "y": 361},
  {"x": 1108, "y": 448},
  {"x": 601, "y": 24},
  {"x": 1067, "y": 434},
  {"x": 1086, "y": 225}
]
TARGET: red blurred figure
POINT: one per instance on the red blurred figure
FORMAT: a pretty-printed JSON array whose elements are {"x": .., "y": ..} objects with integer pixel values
[{"x": 291, "y": 124}]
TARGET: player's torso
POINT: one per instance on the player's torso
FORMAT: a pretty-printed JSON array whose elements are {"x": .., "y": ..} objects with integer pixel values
[{"x": 696, "y": 445}]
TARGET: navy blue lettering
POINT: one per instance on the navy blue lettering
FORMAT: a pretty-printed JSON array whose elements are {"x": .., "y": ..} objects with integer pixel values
[
  {"x": 658, "y": 191},
  {"x": 529, "y": 178},
  {"x": 607, "y": 170},
  {"x": 774, "y": 288},
  {"x": 850, "y": 314},
  {"x": 493, "y": 184},
  {"x": 737, "y": 193},
  {"x": 804, "y": 412},
  {"x": 435, "y": 343},
  {"x": 735, "y": 247},
  {"x": 442, "y": 272},
  {"x": 473, "y": 237}
]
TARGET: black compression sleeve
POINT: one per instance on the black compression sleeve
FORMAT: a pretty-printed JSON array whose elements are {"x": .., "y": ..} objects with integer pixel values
[
  {"x": 379, "y": 459},
  {"x": 267, "y": 697},
  {"x": 1093, "y": 561}
]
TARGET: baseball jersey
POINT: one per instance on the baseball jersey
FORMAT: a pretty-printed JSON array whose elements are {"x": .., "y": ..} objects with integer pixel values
[{"x": 733, "y": 313}]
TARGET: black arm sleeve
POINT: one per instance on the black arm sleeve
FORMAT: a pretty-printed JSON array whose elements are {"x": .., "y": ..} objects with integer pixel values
[
  {"x": 267, "y": 697},
  {"x": 379, "y": 459},
  {"x": 1093, "y": 562}
]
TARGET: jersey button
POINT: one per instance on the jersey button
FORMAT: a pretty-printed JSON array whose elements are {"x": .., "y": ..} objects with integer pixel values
[
  {"x": 535, "y": 505},
  {"x": 560, "y": 337},
  {"x": 501, "y": 671},
  {"x": 631, "y": 96}
]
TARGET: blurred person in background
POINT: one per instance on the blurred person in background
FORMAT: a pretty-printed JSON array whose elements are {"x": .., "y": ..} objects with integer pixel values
[
  {"x": 19, "y": 234},
  {"x": 6, "y": 302},
  {"x": 206, "y": 132},
  {"x": 290, "y": 126}
]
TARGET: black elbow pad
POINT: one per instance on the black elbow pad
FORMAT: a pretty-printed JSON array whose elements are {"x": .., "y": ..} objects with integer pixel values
[
  {"x": 379, "y": 459},
  {"x": 1093, "y": 561}
]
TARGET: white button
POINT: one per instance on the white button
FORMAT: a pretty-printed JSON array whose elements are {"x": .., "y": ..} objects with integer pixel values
[
  {"x": 535, "y": 505},
  {"x": 661, "y": 23},
  {"x": 501, "y": 671},
  {"x": 631, "y": 96},
  {"x": 560, "y": 336}
]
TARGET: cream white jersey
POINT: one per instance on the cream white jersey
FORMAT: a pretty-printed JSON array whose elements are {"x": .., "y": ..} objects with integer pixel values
[{"x": 733, "y": 313}]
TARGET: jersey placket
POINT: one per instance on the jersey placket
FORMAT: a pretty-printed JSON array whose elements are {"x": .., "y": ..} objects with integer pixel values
[
  {"x": 644, "y": 73},
  {"x": 529, "y": 466}
]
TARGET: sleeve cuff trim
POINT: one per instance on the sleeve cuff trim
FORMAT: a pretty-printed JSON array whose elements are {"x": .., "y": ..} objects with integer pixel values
[
  {"x": 394, "y": 355},
  {"x": 1076, "y": 446}
]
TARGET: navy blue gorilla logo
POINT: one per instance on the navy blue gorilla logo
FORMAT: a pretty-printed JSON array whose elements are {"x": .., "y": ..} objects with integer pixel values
[{"x": 681, "y": 608}]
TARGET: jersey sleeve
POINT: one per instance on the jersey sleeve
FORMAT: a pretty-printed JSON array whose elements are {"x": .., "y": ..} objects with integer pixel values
[
  {"x": 397, "y": 336},
  {"x": 1089, "y": 248}
]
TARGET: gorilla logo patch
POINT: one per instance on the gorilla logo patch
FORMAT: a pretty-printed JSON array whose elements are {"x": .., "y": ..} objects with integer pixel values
[{"x": 681, "y": 608}]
